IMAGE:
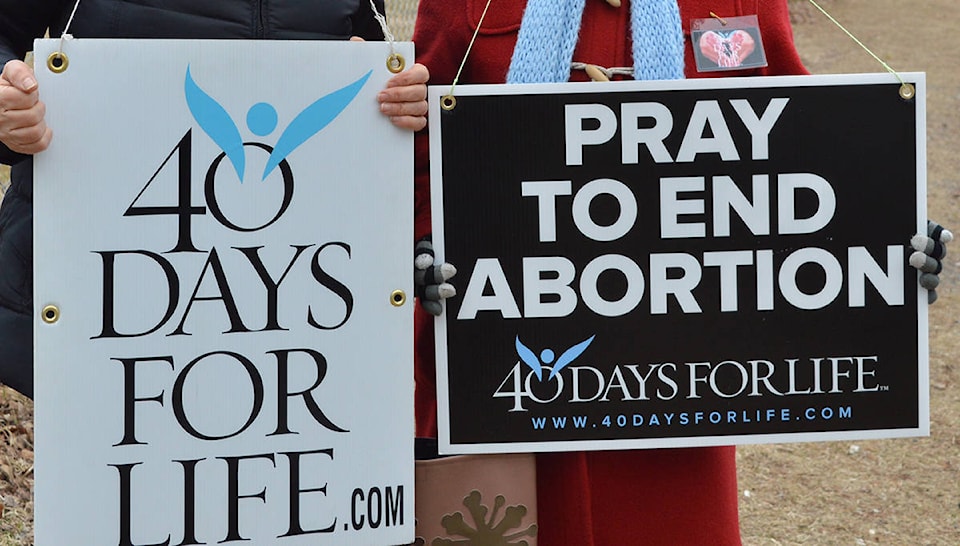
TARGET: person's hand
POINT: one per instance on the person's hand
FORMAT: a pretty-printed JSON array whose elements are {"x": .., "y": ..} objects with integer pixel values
[
  {"x": 429, "y": 279},
  {"x": 930, "y": 249},
  {"x": 22, "y": 127},
  {"x": 405, "y": 98}
]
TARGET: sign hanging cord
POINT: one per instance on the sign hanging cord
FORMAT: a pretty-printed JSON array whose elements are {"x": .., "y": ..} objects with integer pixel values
[
  {"x": 57, "y": 61},
  {"x": 448, "y": 101},
  {"x": 907, "y": 91},
  {"x": 395, "y": 62}
]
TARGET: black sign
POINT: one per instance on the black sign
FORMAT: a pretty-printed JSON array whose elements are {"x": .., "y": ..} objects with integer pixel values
[{"x": 705, "y": 264}]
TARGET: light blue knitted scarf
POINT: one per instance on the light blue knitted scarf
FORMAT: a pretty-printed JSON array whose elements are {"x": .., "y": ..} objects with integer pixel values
[{"x": 549, "y": 31}]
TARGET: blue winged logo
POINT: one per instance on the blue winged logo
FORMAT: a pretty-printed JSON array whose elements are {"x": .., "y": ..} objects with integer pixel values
[
  {"x": 547, "y": 357},
  {"x": 570, "y": 355},
  {"x": 312, "y": 120},
  {"x": 261, "y": 120},
  {"x": 530, "y": 359},
  {"x": 216, "y": 122}
]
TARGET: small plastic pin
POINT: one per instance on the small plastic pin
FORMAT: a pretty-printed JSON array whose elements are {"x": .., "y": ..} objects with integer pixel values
[
  {"x": 595, "y": 73},
  {"x": 718, "y": 18}
]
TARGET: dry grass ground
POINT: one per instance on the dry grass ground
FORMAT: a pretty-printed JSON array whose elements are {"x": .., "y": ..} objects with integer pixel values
[
  {"x": 16, "y": 468},
  {"x": 899, "y": 492},
  {"x": 896, "y": 492},
  {"x": 16, "y": 455}
]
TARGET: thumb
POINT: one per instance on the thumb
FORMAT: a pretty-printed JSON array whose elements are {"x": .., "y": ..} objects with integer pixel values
[
  {"x": 20, "y": 75},
  {"x": 356, "y": 39}
]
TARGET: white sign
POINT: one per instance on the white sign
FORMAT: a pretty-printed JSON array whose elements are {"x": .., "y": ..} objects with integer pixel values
[{"x": 222, "y": 353}]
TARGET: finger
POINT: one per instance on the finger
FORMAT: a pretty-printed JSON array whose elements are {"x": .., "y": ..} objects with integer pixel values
[
  {"x": 406, "y": 94},
  {"x": 36, "y": 140},
  {"x": 411, "y": 123},
  {"x": 434, "y": 274},
  {"x": 12, "y": 98},
  {"x": 23, "y": 130},
  {"x": 416, "y": 74},
  {"x": 422, "y": 261},
  {"x": 20, "y": 75},
  {"x": 929, "y": 281},
  {"x": 422, "y": 276},
  {"x": 423, "y": 253},
  {"x": 928, "y": 246},
  {"x": 22, "y": 126},
  {"x": 439, "y": 292},
  {"x": 424, "y": 246},
  {"x": 447, "y": 271},
  {"x": 356, "y": 39},
  {"x": 938, "y": 232},
  {"x": 413, "y": 107},
  {"x": 413, "y": 78},
  {"x": 17, "y": 118},
  {"x": 925, "y": 263},
  {"x": 435, "y": 308}
]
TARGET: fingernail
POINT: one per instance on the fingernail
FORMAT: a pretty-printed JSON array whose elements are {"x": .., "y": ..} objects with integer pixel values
[{"x": 28, "y": 83}]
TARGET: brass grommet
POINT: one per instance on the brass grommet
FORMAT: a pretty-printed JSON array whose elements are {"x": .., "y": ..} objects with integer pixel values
[
  {"x": 448, "y": 102},
  {"x": 396, "y": 63},
  {"x": 50, "y": 314},
  {"x": 907, "y": 91},
  {"x": 398, "y": 298},
  {"x": 57, "y": 62}
]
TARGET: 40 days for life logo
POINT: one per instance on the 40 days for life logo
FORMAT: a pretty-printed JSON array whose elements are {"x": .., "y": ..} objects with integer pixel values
[
  {"x": 521, "y": 384},
  {"x": 214, "y": 290},
  {"x": 251, "y": 210},
  {"x": 262, "y": 121}
]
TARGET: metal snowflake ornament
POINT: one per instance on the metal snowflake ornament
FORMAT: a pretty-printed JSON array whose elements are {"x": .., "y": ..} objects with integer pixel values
[{"x": 486, "y": 532}]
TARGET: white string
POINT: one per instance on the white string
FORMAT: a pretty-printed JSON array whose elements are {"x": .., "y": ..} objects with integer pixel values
[
  {"x": 469, "y": 47},
  {"x": 859, "y": 43},
  {"x": 383, "y": 26},
  {"x": 66, "y": 29}
]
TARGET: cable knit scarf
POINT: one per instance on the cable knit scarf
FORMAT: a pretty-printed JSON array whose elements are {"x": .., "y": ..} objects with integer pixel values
[{"x": 549, "y": 31}]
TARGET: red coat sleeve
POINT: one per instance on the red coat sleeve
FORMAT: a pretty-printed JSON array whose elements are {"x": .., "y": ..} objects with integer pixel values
[{"x": 441, "y": 36}]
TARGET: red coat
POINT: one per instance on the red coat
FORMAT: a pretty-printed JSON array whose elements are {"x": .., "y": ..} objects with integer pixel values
[{"x": 675, "y": 497}]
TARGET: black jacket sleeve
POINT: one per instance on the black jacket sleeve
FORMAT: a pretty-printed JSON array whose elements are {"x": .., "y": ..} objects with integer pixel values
[{"x": 21, "y": 22}]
